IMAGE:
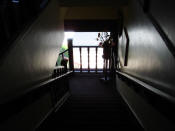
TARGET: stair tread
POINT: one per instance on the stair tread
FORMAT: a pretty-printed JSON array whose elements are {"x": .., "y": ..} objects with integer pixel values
[{"x": 92, "y": 106}]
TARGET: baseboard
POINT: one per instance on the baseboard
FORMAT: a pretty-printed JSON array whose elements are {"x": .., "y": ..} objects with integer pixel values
[
  {"x": 56, "y": 107},
  {"x": 61, "y": 101},
  {"x": 45, "y": 117},
  {"x": 147, "y": 116},
  {"x": 130, "y": 108}
]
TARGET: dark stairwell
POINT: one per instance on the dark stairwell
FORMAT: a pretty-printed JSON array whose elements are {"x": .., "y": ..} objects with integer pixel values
[
  {"x": 92, "y": 106},
  {"x": 144, "y": 66}
]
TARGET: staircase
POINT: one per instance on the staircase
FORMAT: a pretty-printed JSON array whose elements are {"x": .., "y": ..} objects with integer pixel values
[{"x": 92, "y": 106}]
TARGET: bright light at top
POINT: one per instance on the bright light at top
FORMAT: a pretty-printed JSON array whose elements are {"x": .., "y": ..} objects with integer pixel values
[
  {"x": 15, "y": 1},
  {"x": 68, "y": 35},
  {"x": 82, "y": 38}
]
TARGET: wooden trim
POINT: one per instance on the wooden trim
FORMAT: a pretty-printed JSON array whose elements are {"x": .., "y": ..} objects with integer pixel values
[
  {"x": 62, "y": 101},
  {"x": 58, "y": 105},
  {"x": 127, "y": 47},
  {"x": 131, "y": 108},
  {"x": 148, "y": 87},
  {"x": 87, "y": 46},
  {"x": 63, "y": 52},
  {"x": 15, "y": 105},
  {"x": 44, "y": 118},
  {"x": 159, "y": 100},
  {"x": 71, "y": 55},
  {"x": 169, "y": 44}
]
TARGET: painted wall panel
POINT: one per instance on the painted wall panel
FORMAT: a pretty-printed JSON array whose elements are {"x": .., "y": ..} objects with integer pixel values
[
  {"x": 149, "y": 58},
  {"x": 33, "y": 55},
  {"x": 163, "y": 12}
]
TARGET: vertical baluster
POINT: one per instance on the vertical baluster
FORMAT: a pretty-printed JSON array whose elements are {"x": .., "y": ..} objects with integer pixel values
[
  {"x": 70, "y": 51},
  {"x": 88, "y": 61},
  {"x": 80, "y": 60},
  {"x": 96, "y": 59}
]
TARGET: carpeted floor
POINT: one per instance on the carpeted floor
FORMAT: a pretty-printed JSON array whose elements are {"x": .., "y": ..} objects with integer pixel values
[{"x": 93, "y": 106}]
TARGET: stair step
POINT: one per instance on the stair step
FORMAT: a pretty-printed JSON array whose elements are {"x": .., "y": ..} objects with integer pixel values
[{"x": 92, "y": 106}]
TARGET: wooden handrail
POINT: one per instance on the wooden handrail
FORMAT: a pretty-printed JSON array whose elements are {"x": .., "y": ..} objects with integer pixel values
[
  {"x": 18, "y": 102},
  {"x": 148, "y": 87},
  {"x": 168, "y": 42},
  {"x": 63, "y": 52},
  {"x": 86, "y": 46}
]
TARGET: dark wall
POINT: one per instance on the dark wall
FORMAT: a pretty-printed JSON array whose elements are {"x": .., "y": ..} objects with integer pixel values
[
  {"x": 28, "y": 94},
  {"x": 32, "y": 57},
  {"x": 149, "y": 57},
  {"x": 163, "y": 12}
]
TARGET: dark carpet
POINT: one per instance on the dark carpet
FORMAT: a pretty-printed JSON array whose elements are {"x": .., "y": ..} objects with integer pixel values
[{"x": 93, "y": 106}]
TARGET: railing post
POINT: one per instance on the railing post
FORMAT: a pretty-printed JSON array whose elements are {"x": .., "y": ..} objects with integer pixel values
[
  {"x": 96, "y": 50},
  {"x": 70, "y": 50},
  {"x": 80, "y": 60},
  {"x": 88, "y": 60}
]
